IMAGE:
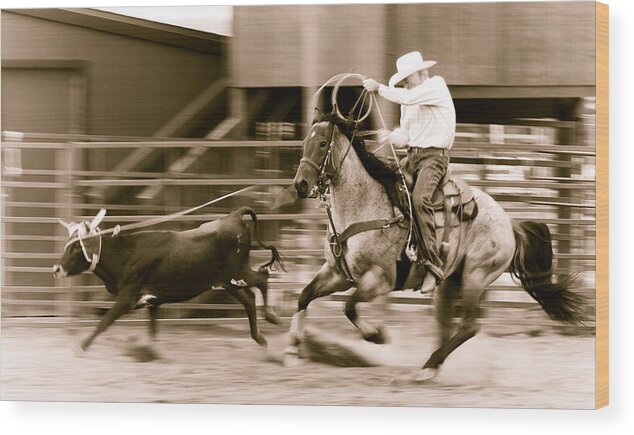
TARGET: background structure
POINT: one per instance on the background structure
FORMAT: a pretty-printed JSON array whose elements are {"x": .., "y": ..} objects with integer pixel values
[{"x": 144, "y": 119}]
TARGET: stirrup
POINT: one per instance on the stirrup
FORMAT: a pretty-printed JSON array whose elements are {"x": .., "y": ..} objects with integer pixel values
[
  {"x": 444, "y": 250},
  {"x": 411, "y": 253}
]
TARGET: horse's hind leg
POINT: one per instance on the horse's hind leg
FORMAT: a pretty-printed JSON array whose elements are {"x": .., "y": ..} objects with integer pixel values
[
  {"x": 246, "y": 297},
  {"x": 474, "y": 282},
  {"x": 372, "y": 284},
  {"x": 327, "y": 281},
  {"x": 444, "y": 307}
]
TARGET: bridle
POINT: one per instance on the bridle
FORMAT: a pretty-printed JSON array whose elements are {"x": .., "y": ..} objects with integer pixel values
[
  {"x": 324, "y": 174},
  {"x": 327, "y": 171}
]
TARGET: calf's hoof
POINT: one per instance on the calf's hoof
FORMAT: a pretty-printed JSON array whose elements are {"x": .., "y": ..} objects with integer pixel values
[
  {"x": 260, "y": 340},
  {"x": 272, "y": 318},
  {"x": 78, "y": 349}
]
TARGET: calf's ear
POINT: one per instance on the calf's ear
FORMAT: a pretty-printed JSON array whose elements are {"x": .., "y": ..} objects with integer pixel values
[
  {"x": 65, "y": 225},
  {"x": 97, "y": 220}
]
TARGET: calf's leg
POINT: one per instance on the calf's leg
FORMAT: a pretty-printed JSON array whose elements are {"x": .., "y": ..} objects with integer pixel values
[
  {"x": 246, "y": 297},
  {"x": 124, "y": 303},
  {"x": 260, "y": 279}
]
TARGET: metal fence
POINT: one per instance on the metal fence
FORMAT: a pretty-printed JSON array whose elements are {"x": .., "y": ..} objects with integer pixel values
[{"x": 527, "y": 167}]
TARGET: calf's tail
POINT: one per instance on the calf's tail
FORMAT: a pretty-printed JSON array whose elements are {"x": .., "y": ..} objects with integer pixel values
[
  {"x": 276, "y": 261},
  {"x": 532, "y": 265}
]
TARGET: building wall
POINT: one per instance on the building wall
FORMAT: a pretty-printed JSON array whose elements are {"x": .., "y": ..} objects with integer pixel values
[
  {"x": 503, "y": 44},
  {"x": 476, "y": 44},
  {"x": 305, "y": 45},
  {"x": 133, "y": 86}
]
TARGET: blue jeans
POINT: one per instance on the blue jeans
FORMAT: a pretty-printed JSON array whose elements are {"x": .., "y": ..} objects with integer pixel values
[{"x": 429, "y": 166}]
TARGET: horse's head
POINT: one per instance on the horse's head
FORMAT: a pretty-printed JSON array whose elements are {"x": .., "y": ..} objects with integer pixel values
[
  {"x": 83, "y": 248},
  {"x": 317, "y": 167}
]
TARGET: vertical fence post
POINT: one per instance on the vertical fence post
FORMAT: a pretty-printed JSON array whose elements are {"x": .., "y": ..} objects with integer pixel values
[
  {"x": 69, "y": 206},
  {"x": 566, "y": 135}
]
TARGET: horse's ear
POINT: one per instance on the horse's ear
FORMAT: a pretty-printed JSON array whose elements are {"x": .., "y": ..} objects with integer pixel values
[
  {"x": 317, "y": 115},
  {"x": 97, "y": 220}
]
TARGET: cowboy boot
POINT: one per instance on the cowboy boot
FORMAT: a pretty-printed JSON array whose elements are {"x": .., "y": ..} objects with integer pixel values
[
  {"x": 429, "y": 283},
  {"x": 433, "y": 277}
]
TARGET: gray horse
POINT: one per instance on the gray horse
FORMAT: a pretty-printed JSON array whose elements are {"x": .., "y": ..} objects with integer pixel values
[{"x": 480, "y": 251}]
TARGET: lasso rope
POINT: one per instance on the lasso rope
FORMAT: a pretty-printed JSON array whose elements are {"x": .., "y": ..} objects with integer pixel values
[
  {"x": 340, "y": 78},
  {"x": 400, "y": 171},
  {"x": 160, "y": 219}
]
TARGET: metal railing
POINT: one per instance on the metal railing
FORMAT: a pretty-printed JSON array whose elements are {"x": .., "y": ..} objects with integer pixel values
[{"x": 56, "y": 174}]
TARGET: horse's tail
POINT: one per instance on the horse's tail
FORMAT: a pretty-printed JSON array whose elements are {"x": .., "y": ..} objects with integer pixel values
[
  {"x": 532, "y": 265},
  {"x": 276, "y": 262}
]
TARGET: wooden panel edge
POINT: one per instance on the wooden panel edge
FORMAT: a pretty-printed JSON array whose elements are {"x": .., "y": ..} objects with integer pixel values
[{"x": 602, "y": 206}]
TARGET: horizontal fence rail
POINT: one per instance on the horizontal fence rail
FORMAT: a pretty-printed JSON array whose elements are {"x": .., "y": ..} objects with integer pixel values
[{"x": 46, "y": 177}]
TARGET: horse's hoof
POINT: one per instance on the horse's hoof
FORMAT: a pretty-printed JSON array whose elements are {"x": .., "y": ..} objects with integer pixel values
[
  {"x": 291, "y": 357},
  {"x": 378, "y": 336},
  {"x": 421, "y": 377},
  {"x": 426, "y": 374},
  {"x": 292, "y": 361}
]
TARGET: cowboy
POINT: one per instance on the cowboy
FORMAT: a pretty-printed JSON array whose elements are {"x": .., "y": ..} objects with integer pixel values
[{"x": 427, "y": 129}]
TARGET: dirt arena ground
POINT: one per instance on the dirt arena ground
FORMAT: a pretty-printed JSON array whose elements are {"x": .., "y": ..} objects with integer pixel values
[{"x": 219, "y": 363}]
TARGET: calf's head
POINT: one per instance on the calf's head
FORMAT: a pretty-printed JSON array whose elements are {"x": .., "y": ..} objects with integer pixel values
[{"x": 83, "y": 249}]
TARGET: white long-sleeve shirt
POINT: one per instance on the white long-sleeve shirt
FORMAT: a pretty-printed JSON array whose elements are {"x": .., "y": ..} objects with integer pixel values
[{"x": 428, "y": 115}]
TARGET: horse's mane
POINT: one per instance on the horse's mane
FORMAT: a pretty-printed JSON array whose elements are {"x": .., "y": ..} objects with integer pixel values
[{"x": 378, "y": 169}]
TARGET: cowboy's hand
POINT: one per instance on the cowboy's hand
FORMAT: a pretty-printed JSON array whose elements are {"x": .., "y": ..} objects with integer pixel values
[
  {"x": 383, "y": 136},
  {"x": 371, "y": 85},
  {"x": 399, "y": 138}
]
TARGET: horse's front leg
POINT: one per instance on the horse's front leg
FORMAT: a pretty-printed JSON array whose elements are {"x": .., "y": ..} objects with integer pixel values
[
  {"x": 327, "y": 281},
  {"x": 372, "y": 284}
]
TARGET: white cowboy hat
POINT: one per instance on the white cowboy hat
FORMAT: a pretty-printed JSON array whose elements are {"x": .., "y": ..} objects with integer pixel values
[{"x": 407, "y": 65}]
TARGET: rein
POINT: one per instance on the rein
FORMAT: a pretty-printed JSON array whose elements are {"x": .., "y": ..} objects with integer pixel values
[
  {"x": 408, "y": 244},
  {"x": 322, "y": 187}
]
